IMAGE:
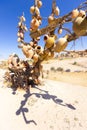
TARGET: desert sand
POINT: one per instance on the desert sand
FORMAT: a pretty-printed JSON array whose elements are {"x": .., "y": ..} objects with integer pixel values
[{"x": 56, "y": 105}]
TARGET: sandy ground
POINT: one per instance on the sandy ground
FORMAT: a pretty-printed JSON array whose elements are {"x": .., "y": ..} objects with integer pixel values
[
  {"x": 54, "y": 106},
  {"x": 75, "y": 78},
  {"x": 77, "y": 74},
  {"x": 68, "y": 64}
]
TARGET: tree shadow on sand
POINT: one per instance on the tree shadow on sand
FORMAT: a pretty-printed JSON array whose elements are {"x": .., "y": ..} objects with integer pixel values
[
  {"x": 22, "y": 109},
  {"x": 45, "y": 95}
]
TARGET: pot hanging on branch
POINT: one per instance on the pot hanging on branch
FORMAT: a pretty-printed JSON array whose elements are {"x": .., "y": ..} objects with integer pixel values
[
  {"x": 75, "y": 13},
  {"x": 82, "y": 13},
  {"x": 50, "y": 56},
  {"x": 49, "y": 40},
  {"x": 50, "y": 18},
  {"x": 35, "y": 58},
  {"x": 61, "y": 44},
  {"x": 39, "y": 49},
  {"x": 34, "y": 24},
  {"x": 80, "y": 26},
  {"x": 57, "y": 11},
  {"x": 28, "y": 51},
  {"x": 39, "y": 4}
]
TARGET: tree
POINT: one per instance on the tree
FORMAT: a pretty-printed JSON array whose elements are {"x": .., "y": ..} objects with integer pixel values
[{"x": 24, "y": 72}]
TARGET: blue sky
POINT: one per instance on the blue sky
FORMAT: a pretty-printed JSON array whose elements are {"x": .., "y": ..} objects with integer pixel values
[{"x": 9, "y": 12}]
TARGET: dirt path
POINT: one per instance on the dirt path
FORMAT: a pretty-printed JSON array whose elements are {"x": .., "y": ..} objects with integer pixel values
[{"x": 54, "y": 106}]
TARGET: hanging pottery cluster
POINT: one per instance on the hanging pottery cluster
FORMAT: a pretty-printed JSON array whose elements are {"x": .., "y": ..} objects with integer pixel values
[
  {"x": 32, "y": 51},
  {"x": 36, "y": 18},
  {"x": 22, "y": 28},
  {"x": 55, "y": 12},
  {"x": 79, "y": 22},
  {"x": 22, "y": 72}
]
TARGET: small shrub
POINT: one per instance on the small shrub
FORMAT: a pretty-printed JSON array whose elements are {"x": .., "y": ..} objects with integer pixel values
[
  {"x": 74, "y": 63},
  {"x": 59, "y": 69},
  {"x": 52, "y": 69},
  {"x": 68, "y": 70}
]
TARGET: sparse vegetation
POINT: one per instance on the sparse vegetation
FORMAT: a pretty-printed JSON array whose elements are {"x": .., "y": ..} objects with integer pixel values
[
  {"x": 60, "y": 69},
  {"x": 52, "y": 69},
  {"x": 3, "y": 65},
  {"x": 74, "y": 63}
]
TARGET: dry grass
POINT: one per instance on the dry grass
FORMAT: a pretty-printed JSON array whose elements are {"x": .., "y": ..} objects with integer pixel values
[
  {"x": 3, "y": 65},
  {"x": 79, "y": 78}
]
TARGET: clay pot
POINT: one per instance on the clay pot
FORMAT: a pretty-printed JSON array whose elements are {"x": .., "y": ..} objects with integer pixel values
[
  {"x": 82, "y": 13},
  {"x": 50, "y": 19},
  {"x": 28, "y": 51},
  {"x": 37, "y": 10},
  {"x": 19, "y": 39},
  {"x": 38, "y": 49},
  {"x": 29, "y": 47},
  {"x": 19, "y": 24},
  {"x": 22, "y": 18},
  {"x": 15, "y": 61},
  {"x": 25, "y": 50},
  {"x": 40, "y": 22},
  {"x": 61, "y": 44},
  {"x": 75, "y": 13},
  {"x": 50, "y": 40},
  {"x": 60, "y": 31},
  {"x": 38, "y": 38},
  {"x": 50, "y": 55},
  {"x": 31, "y": 44},
  {"x": 35, "y": 57},
  {"x": 18, "y": 34},
  {"x": 21, "y": 35},
  {"x": 34, "y": 24},
  {"x": 57, "y": 11},
  {"x": 80, "y": 26},
  {"x": 25, "y": 28},
  {"x": 32, "y": 9},
  {"x": 39, "y": 3}
]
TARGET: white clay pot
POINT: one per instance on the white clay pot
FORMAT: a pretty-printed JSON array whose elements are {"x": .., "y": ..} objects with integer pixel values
[
  {"x": 21, "y": 35},
  {"x": 31, "y": 43},
  {"x": 49, "y": 41},
  {"x": 57, "y": 11},
  {"x": 50, "y": 19},
  {"x": 60, "y": 31},
  {"x": 35, "y": 57},
  {"x": 19, "y": 24},
  {"x": 30, "y": 53},
  {"x": 39, "y": 3},
  {"x": 61, "y": 44},
  {"x": 32, "y": 9},
  {"x": 37, "y": 10},
  {"x": 38, "y": 49},
  {"x": 34, "y": 24},
  {"x": 22, "y": 18},
  {"x": 80, "y": 26},
  {"x": 19, "y": 39},
  {"x": 75, "y": 13},
  {"x": 18, "y": 34},
  {"x": 25, "y": 28},
  {"x": 82, "y": 13}
]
